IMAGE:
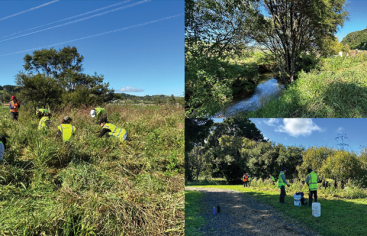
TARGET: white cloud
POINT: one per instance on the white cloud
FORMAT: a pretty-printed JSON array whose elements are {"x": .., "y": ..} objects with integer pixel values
[
  {"x": 340, "y": 130},
  {"x": 130, "y": 89},
  {"x": 297, "y": 126},
  {"x": 272, "y": 122}
]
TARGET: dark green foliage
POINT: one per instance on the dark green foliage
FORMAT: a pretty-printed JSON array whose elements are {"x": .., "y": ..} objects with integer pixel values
[{"x": 356, "y": 40}]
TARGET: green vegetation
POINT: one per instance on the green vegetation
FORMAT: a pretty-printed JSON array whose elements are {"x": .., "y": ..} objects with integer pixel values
[
  {"x": 218, "y": 32},
  {"x": 338, "y": 216},
  {"x": 193, "y": 220},
  {"x": 356, "y": 40},
  {"x": 337, "y": 89},
  {"x": 90, "y": 185}
]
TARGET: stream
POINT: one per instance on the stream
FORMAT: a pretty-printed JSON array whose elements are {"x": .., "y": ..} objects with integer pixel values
[{"x": 266, "y": 88}]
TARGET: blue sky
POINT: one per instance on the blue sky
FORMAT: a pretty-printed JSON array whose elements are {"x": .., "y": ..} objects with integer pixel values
[
  {"x": 147, "y": 58},
  {"x": 313, "y": 132}
]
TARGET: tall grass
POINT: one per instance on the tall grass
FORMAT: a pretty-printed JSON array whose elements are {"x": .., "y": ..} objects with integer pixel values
[
  {"x": 93, "y": 185},
  {"x": 337, "y": 89}
]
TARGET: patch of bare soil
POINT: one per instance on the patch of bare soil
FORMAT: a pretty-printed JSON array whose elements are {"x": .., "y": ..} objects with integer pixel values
[{"x": 241, "y": 214}]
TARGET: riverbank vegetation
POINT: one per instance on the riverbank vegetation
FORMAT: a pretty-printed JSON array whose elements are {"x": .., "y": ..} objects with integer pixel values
[
  {"x": 218, "y": 32},
  {"x": 90, "y": 185},
  {"x": 337, "y": 88}
]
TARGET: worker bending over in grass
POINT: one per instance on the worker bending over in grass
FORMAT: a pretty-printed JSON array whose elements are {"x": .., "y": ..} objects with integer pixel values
[
  {"x": 245, "y": 179},
  {"x": 272, "y": 178},
  {"x": 282, "y": 182},
  {"x": 112, "y": 130},
  {"x": 311, "y": 180},
  {"x": 66, "y": 130},
  {"x": 45, "y": 121},
  {"x": 98, "y": 113},
  {"x": 41, "y": 112},
  {"x": 14, "y": 105},
  {"x": 2, "y": 147}
]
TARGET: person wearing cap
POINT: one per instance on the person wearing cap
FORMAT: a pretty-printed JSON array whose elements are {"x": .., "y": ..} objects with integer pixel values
[
  {"x": 311, "y": 180},
  {"x": 45, "y": 121},
  {"x": 98, "y": 113},
  {"x": 272, "y": 178},
  {"x": 2, "y": 147},
  {"x": 282, "y": 182},
  {"x": 66, "y": 130},
  {"x": 41, "y": 112},
  {"x": 112, "y": 130},
  {"x": 245, "y": 179},
  {"x": 13, "y": 106}
]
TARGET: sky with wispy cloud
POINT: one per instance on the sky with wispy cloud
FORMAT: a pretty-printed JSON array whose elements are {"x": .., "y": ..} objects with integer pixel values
[{"x": 314, "y": 132}]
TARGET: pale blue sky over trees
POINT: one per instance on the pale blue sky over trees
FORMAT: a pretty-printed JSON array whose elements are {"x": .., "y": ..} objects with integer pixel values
[{"x": 137, "y": 45}]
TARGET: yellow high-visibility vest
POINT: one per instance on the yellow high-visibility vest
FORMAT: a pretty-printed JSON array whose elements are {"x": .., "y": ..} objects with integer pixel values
[
  {"x": 43, "y": 111},
  {"x": 42, "y": 124},
  {"x": 99, "y": 111},
  {"x": 119, "y": 133},
  {"x": 312, "y": 181},
  {"x": 280, "y": 181},
  {"x": 67, "y": 130}
]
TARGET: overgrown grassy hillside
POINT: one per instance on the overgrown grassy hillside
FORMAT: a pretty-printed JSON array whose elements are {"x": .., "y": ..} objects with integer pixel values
[
  {"x": 90, "y": 185},
  {"x": 337, "y": 89}
]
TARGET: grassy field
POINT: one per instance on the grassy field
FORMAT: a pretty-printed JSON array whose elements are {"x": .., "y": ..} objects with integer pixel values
[
  {"x": 90, "y": 185},
  {"x": 337, "y": 89},
  {"x": 338, "y": 216},
  {"x": 193, "y": 220}
]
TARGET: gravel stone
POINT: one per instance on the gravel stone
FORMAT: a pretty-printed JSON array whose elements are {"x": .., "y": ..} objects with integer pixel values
[{"x": 241, "y": 214}]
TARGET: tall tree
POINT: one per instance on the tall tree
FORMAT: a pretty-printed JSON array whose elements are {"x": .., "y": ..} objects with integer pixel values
[
  {"x": 296, "y": 28},
  {"x": 214, "y": 30}
]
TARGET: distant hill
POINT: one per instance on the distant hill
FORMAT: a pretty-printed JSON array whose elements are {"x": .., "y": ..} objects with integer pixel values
[{"x": 356, "y": 40}]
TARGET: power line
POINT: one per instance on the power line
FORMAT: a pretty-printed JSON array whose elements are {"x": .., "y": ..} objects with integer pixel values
[
  {"x": 82, "y": 19},
  {"x": 99, "y": 9},
  {"x": 113, "y": 31},
  {"x": 29, "y": 10}
]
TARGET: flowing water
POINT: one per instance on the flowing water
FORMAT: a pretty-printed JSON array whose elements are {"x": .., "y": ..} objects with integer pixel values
[{"x": 267, "y": 87}]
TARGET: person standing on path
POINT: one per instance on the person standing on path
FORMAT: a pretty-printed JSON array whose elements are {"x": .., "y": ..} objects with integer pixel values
[
  {"x": 281, "y": 184},
  {"x": 13, "y": 106},
  {"x": 245, "y": 179},
  {"x": 272, "y": 178},
  {"x": 311, "y": 180}
]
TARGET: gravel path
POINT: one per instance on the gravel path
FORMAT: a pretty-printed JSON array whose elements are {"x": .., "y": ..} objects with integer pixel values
[{"x": 241, "y": 214}]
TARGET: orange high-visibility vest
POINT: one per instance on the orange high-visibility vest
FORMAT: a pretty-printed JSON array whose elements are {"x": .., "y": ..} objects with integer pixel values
[
  {"x": 245, "y": 178},
  {"x": 13, "y": 105}
]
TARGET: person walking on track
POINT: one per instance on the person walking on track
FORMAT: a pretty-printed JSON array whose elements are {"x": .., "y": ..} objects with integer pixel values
[{"x": 282, "y": 182}]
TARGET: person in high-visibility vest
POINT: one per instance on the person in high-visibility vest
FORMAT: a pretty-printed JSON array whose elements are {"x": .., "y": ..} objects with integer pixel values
[
  {"x": 66, "y": 130},
  {"x": 282, "y": 182},
  {"x": 2, "y": 147},
  {"x": 272, "y": 178},
  {"x": 311, "y": 180},
  {"x": 112, "y": 130},
  {"x": 41, "y": 112},
  {"x": 13, "y": 106},
  {"x": 245, "y": 179},
  {"x": 98, "y": 113},
  {"x": 45, "y": 121}
]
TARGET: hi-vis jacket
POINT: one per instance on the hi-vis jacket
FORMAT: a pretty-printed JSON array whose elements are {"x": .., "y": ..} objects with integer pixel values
[
  {"x": 119, "y": 133},
  {"x": 43, "y": 122},
  {"x": 99, "y": 111},
  {"x": 67, "y": 130},
  {"x": 43, "y": 111},
  {"x": 14, "y": 106},
  {"x": 245, "y": 178}
]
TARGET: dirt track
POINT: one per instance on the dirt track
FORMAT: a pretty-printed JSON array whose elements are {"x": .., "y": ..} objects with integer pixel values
[{"x": 241, "y": 214}]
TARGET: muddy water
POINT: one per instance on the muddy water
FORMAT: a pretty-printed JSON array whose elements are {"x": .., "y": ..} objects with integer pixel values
[{"x": 267, "y": 87}]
